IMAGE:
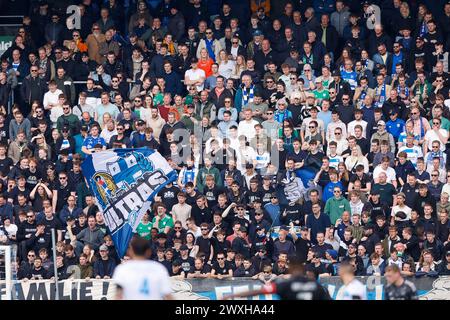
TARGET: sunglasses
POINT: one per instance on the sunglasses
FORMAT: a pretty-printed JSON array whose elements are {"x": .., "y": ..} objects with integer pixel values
[
  {"x": 177, "y": 228},
  {"x": 119, "y": 129},
  {"x": 311, "y": 127},
  {"x": 76, "y": 36},
  {"x": 415, "y": 113},
  {"x": 203, "y": 229},
  {"x": 227, "y": 101},
  {"x": 62, "y": 178},
  {"x": 337, "y": 133},
  {"x": 220, "y": 258},
  {"x": 435, "y": 175},
  {"x": 31, "y": 255},
  {"x": 30, "y": 216},
  {"x": 269, "y": 113},
  {"x": 34, "y": 70}
]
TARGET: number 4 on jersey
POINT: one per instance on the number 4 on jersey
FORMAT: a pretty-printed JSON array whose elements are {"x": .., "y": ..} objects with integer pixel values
[{"x": 145, "y": 290}]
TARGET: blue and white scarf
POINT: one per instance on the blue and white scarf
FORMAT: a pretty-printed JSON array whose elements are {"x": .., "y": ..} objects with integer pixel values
[
  {"x": 406, "y": 89},
  {"x": 382, "y": 95},
  {"x": 248, "y": 95}
]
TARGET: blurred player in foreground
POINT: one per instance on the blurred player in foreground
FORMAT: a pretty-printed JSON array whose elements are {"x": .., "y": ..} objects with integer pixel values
[
  {"x": 353, "y": 289},
  {"x": 297, "y": 287},
  {"x": 141, "y": 278},
  {"x": 398, "y": 288}
]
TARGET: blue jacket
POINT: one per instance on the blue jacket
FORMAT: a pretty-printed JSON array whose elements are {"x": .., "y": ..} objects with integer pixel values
[
  {"x": 64, "y": 213},
  {"x": 100, "y": 270},
  {"x": 6, "y": 211},
  {"x": 173, "y": 83}
]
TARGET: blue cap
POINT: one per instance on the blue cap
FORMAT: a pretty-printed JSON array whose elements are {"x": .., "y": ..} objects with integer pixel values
[
  {"x": 332, "y": 253},
  {"x": 257, "y": 33}
]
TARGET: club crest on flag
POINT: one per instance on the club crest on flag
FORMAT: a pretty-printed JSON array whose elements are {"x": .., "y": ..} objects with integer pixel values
[{"x": 124, "y": 182}]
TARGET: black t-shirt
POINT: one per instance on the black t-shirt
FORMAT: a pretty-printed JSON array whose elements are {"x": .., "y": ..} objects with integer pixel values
[
  {"x": 297, "y": 288},
  {"x": 33, "y": 179},
  {"x": 191, "y": 200},
  {"x": 254, "y": 195},
  {"x": 128, "y": 126},
  {"x": 241, "y": 246},
  {"x": 364, "y": 179},
  {"x": 212, "y": 194},
  {"x": 169, "y": 196},
  {"x": 364, "y": 144},
  {"x": 63, "y": 195},
  {"x": 266, "y": 195},
  {"x": 320, "y": 269},
  {"x": 16, "y": 192},
  {"x": 5, "y": 165},
  {"x": 38, "y": 274},
  {"x": 204, "y": 245},
  {"x": 201, "y": 215},
  {"x": 222, "y": 270},
  {"x": 204, "y": 270},
  {"x": 4, "y": 133},
  {"x": 52, "y": 224},
  {"x": 320, "y": 250},
  {"x": 301, "y": 248},
  {"x": 293, "y": 214},
  {"x": 187, "y": 264}
]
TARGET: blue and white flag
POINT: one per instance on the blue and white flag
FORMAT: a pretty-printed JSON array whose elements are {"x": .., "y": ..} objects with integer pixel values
[{"x": 124, "y": 182}]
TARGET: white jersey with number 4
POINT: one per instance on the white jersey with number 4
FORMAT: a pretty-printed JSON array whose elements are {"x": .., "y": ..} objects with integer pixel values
[
  {"x": 355, "y": 290},
  {"x": 142, "y": 280}
]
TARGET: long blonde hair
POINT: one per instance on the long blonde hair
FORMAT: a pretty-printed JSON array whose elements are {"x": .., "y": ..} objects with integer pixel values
[{"x": 219, "y": 60}]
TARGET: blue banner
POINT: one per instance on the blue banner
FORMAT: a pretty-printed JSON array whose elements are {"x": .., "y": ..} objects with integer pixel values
[{"x": 124, "y": 183}]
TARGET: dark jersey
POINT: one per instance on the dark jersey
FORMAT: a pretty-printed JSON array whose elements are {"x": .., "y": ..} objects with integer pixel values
[
  {"x": 297, "y": 288},
  {"x": 406, "y": 291}
]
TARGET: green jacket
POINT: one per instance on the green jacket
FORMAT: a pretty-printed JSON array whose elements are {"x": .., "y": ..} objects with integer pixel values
[
  {"x": 201, "y": 177},
  {"x": 335, "y": 207},
  {"x": 71, "y": 120}
]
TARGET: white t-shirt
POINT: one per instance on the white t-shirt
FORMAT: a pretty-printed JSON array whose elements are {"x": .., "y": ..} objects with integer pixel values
[
  {"x": 143, "y": 280},
  {"x": 247, "y": 128},
  {"x": 390, "y": 173},
  {"x": 195, "y": 75},
  {"x": 431, "y": 136},
  {"x": 407, "y": 210},
  {"x": 226, "y": 69},
  {"x": 354, "y": 289}
]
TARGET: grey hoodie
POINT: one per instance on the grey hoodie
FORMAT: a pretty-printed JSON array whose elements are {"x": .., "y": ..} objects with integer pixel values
[{"x": 93, "y": 238}]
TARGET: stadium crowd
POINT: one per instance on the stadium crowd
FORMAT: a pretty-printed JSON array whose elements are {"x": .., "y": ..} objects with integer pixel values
[{"x": 314, "y": 129}]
